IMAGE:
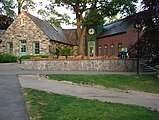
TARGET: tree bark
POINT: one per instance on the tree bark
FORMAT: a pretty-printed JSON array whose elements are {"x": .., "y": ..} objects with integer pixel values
[
  {"x": 81, "y": 41},
  {"x": 80, "y": 33},
  {"x": 19, "y": 8}
]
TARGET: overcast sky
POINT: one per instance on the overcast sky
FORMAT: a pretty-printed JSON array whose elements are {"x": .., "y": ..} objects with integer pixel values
[{"x": 61, "y": 10}]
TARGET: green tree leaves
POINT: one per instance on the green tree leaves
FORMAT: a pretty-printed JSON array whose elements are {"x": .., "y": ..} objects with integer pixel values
[
  {"x": 7, "y": 8},
  {"x": 53, "y": 17}
]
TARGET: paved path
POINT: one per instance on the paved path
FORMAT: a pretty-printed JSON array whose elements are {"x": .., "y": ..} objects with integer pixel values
[
  {"x": 12, "y": 105},
  {"x": 88, "y": 92}
]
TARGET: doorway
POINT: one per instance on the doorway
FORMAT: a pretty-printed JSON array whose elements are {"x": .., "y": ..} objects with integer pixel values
[{"x": 91, "y": 48}]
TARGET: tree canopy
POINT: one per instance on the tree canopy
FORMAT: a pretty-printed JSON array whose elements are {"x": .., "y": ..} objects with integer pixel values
[
  {"x": 25, "y": 4},
  {"x": 149, "y": 42},
  {"x": 5, "y": 21},
  {"x": 98, "y": 9},
  {"x": 7, "y": 7},
  {"x": 54, "y": 17}
]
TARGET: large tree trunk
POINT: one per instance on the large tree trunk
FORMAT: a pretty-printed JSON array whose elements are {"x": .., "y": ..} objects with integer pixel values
[
  {"x": 81, "y": 41},
  {"x": 80, "y": 33}
]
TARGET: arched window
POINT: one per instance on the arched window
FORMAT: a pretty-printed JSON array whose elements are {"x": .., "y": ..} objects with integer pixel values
[
  {"x": 106, "y": 50},
  {"x": 119, "y": 47},
  {"x": 112, "y": 51},
  {"x": 99, "y": 50}
]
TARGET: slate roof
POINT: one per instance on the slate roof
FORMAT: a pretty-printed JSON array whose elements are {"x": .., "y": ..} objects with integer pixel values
[
  {"x": 117, "y": 27},
  {"x": 1, "y": 32},
  {"x": 54, "y": 33}
]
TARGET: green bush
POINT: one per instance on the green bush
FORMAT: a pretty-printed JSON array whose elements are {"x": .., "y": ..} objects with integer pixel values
[
  {"x": 64, "y": 50},
  {"x": 7, "y": 58},
  {"x": 29, "y": 56},
  {"x": 25, "y": 57},
  {"x": 43, "y": 56}
]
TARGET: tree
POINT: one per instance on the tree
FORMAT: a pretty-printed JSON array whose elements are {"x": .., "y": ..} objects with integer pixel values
[
  {"x": 5, "y": 21},
  {"x": 25, "y": 4},
  {"x": 53, "y": 17},
  {"x": 98, "y": 10},
  {"x": 7, "y": 8},
  {"x": 149, "y": 42}
]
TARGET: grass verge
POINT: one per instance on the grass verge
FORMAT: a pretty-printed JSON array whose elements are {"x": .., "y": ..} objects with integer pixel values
[
  {"x": 48, "y": 106},
  {"x": 146, "y": 83}
]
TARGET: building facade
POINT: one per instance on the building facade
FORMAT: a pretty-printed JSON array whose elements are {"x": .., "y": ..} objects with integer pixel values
[
  {"x": 111, "y": 39},
  {"x": 28, "y": 35}
]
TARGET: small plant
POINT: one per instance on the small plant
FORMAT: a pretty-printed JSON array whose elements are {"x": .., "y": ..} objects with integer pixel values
[
  {"x": 64, "y": 50},
  {"x": 7, "y": 58}
]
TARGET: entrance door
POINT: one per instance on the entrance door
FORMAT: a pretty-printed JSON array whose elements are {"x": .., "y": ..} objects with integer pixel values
[
  {"x": 91, "y": 48},
  {"x": 22, "y": 48}
]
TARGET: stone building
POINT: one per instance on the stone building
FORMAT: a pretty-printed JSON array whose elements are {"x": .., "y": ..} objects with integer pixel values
[{"x": 30, "y": 35}]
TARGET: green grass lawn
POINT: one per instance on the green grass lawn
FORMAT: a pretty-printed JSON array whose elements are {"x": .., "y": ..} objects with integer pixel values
[
  {"x": 48, "y": 106},
  {"x": 146, "y": 83}
]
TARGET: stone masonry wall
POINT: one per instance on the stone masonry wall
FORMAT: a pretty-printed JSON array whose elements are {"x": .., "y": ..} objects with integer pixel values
[
  {"x": 29, "y": 32},
  {"x": 81, "y": 65}
]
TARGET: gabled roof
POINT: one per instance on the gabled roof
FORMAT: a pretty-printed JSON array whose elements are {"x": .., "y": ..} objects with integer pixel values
[
  {"x": 117, "y": 27},
  {"x": 54, "y": 33}
]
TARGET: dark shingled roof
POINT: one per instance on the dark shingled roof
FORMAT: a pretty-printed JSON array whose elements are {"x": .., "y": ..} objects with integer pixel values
[
  {"x": 1, "y": 32},
  {"x": 117, "y": 27},
  {"x": 54, "y": 33}
]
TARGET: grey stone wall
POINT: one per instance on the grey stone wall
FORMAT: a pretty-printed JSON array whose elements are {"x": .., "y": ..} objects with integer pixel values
[
  {"x": 29, "y": 32},
  {"x": 81, "y": 65}
]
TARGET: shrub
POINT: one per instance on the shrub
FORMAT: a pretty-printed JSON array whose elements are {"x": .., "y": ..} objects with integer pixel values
[
  {"x": 29, "y": 56},
  {"x": 64, "y": 50},
  {"x": 43, "y": 56},
  {"x": 25, "y": 57},
  {"x": 7, "y": 58}
]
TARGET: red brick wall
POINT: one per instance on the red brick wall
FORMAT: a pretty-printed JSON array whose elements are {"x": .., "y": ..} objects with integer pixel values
[{"x": 127, "y": 39}]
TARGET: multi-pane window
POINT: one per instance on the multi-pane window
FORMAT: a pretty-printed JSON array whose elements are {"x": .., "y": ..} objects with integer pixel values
[
  {"x": 112, "y": 51},
  {"x": 36, "y": 47},
  {"x": 23, "y": 48},
  {"x": 106, "y": 50},
  {"x": 99, "y": 50},
  {"x": 10, "y": 47},
  {"x": 119, "y": 47},
  {"x": 23, "y": 41}
]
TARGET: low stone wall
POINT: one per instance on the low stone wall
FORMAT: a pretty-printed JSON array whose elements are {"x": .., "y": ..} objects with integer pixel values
[{"x": 80, "y": 65}]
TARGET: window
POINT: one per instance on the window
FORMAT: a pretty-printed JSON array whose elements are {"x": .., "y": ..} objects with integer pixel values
[
  {"x": 119, "y": 47},
  {"x": 10, "y": 47},
  {"x": 112, "y": 52},
  {"x": 100, "y": 51},
  {"x": 106, "y": 50},
  {"x": 22, "y": 21},
  {"x": 36, "y": 48},
  {"x": 23, "y": 41},
  {"x": 23, "y": 48}
]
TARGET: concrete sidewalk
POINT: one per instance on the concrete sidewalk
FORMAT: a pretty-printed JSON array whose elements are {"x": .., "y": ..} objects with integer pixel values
[
  {"x": 12, "y": 105},
  {"x": 88, "y": 92}
]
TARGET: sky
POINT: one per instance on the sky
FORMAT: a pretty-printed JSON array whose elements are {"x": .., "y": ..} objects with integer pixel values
[{"x": 62, "y": 10}]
